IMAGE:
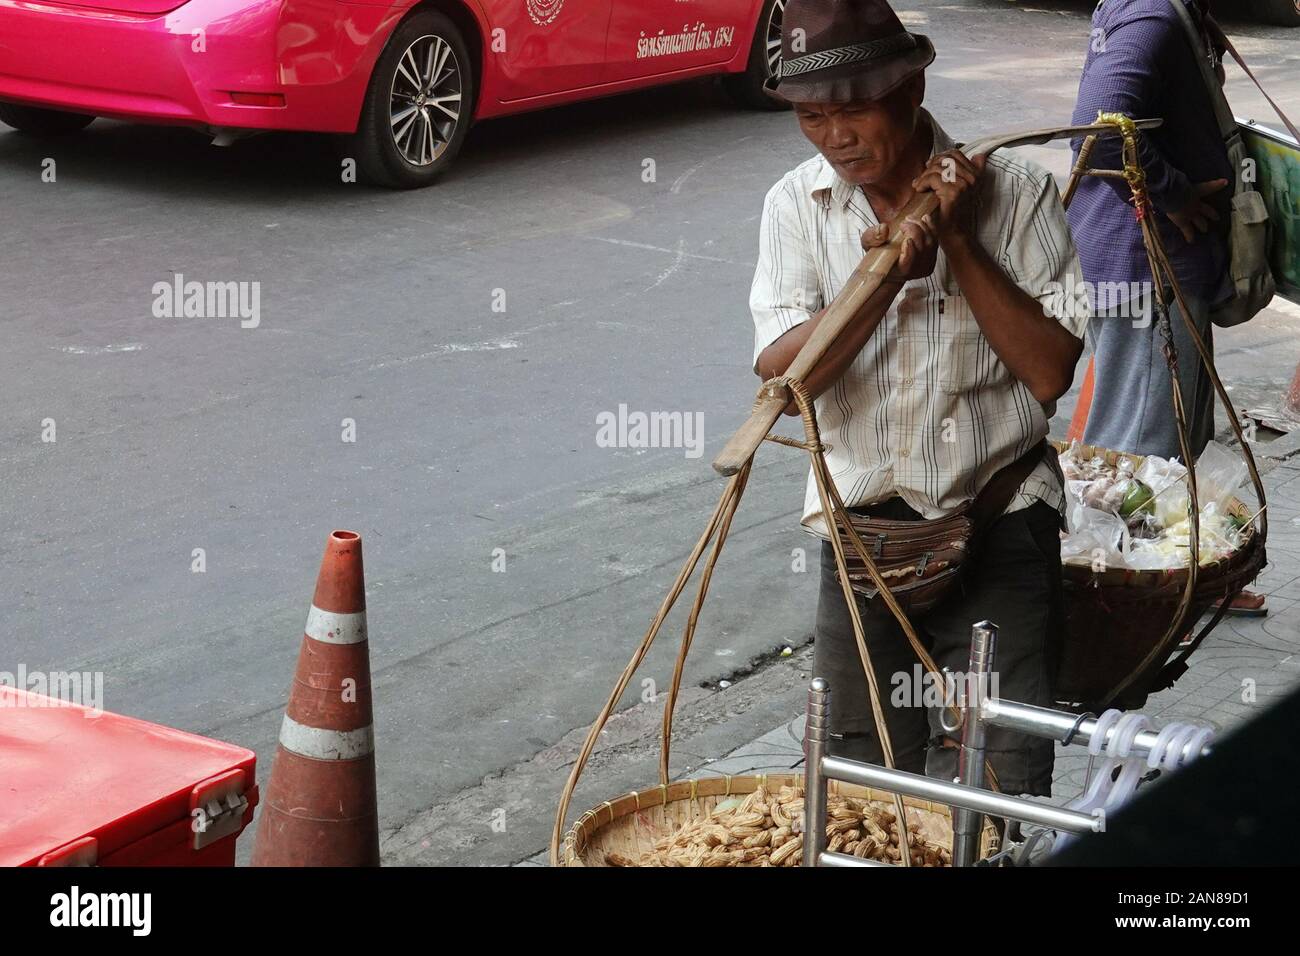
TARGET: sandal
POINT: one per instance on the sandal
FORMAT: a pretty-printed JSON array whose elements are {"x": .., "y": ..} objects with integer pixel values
[{"x": 1245, "y": 604}]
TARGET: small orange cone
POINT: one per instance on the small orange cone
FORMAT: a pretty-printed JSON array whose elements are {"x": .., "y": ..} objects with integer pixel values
[{"x": 320, "y": 808}]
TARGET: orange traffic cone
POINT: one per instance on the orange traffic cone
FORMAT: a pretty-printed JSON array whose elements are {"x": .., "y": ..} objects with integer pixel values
[
  {"x": 1080, "y": 421},
  {"x": 320, "y": 808}
]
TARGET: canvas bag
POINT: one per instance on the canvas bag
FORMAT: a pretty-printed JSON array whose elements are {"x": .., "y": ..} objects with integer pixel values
[{"x": 1252, "y": 276}]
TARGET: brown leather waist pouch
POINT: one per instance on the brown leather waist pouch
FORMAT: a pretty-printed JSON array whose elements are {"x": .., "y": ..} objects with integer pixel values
[{"x": 922, "y": 561}]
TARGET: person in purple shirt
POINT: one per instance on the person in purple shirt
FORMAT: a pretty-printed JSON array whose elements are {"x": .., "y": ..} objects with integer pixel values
[{"x": 1141, "y": 62}]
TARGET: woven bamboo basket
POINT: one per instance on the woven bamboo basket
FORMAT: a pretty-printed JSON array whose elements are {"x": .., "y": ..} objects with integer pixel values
[
  {"x": 630, "y": 825},
  {"x": 1115, "y": 617}
]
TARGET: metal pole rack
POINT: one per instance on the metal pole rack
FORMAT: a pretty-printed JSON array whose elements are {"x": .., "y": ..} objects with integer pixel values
[{"x": 966, "y": 794}]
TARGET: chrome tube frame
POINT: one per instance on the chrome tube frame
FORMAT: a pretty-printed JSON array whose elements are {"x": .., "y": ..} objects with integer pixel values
[
  {"x": 821, "y": 768},
  {"x": 1057, "y": 725},
  {"x": 966, "y": 795},
  {"x": 970, "y": 757},
  {"x": 957, "y": 795},
  {"x": 829, "y": 858},
  {"x": 815, "y": 736}
]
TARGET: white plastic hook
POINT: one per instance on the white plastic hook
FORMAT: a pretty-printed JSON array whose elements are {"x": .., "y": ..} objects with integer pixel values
[
  {"x": 1097, "y": 794},
  {"x": 1097, "y": 742},
  {"x": 1113, "y": 736},
  {"x": 1197, "y": 745},
  {"x": 1126, "y": 731},
  {"x": 1167, "y": 732},
  {"x": 1091, "y": 800},
  {"x": 1122, "y": 745},
  {"x": 1174, "y": 755}
]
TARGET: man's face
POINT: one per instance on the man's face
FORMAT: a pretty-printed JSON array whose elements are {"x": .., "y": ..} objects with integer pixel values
[{"x": 863, "y": 139}]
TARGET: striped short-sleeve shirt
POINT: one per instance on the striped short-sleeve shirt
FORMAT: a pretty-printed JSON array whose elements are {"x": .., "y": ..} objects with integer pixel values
[{"x": 927, "y": 411}]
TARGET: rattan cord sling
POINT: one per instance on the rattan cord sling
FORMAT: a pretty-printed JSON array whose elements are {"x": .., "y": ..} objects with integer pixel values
[{"x": 1164, "y": 283}]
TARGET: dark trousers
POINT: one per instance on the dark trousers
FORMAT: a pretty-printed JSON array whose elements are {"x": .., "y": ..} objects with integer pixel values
[{"x": 1015, "y": 582}]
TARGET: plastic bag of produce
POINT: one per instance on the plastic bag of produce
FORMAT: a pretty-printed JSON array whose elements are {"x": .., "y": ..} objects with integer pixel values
[
  {"x": 1096, "y": 536},
  {"x": 1167, "y": 480},
  {"x": 1077, "y": 468},
  {"x": 1219, "y": 473},
  {"x": 1219, "y": 536}
]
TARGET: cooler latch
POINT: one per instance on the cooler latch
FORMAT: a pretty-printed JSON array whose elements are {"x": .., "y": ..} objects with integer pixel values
[
  {"x": 217, "y": 807},
  {"x": 84, "y": 851}
]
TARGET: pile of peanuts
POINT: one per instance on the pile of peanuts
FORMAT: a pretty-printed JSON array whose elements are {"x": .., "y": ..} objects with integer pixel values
[{"x": 764, "y": 829}]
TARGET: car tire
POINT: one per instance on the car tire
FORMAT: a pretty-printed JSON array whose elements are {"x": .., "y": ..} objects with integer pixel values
[
  {"x": 1284, "y": 13},
  {"x": 410, "y": 151},
  {"x": 747, "y": 88},
  {"x": 42, "y": 122}
]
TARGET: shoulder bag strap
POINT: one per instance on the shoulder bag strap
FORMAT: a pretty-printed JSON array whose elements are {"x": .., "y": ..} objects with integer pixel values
[
  {"x": 1222, "y": 112},
  {"x": 1219, "y": 35},
  {"x": 998, "y": 491}
]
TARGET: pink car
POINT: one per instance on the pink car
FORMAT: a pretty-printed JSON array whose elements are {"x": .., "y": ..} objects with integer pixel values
[{"x": 401, "y": 80}]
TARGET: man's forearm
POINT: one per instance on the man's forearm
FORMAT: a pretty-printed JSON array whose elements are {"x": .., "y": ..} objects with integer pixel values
[
  {"x": 1036, "y": 348},
  {"x": 778, "y": 356}
]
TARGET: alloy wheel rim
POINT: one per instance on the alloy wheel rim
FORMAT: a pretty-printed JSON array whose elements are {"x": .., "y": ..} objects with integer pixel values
[
  {"x": 424, "y": 100},
  {"x": 772, "y": 50}
]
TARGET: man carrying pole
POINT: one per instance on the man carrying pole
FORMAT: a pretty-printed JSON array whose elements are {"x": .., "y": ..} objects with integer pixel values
[{"x": 936, "y": 397}]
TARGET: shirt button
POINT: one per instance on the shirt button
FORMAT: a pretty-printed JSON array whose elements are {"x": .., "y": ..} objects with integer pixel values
[
  {"x": 904, "y": 453},
  {"x": 907, "y": 381}
]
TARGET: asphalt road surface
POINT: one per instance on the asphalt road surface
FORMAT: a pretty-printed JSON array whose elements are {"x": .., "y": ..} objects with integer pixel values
[{"x": 475, "y": 334}]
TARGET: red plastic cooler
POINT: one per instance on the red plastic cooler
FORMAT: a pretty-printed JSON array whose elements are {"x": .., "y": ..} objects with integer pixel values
[{"x": 78, "y": 789}]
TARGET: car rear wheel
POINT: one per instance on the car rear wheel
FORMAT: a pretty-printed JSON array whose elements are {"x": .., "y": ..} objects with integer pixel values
[
  {"x": 1284, "y": 13},
  {"x": 40, "y": 122},
  {"x": 764, "y": 61},
  {"x": 417, "y": 108}
]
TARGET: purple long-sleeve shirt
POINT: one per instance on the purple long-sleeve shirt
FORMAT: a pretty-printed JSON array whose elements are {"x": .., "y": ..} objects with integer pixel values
[{"x": 1140, "y": 62}]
